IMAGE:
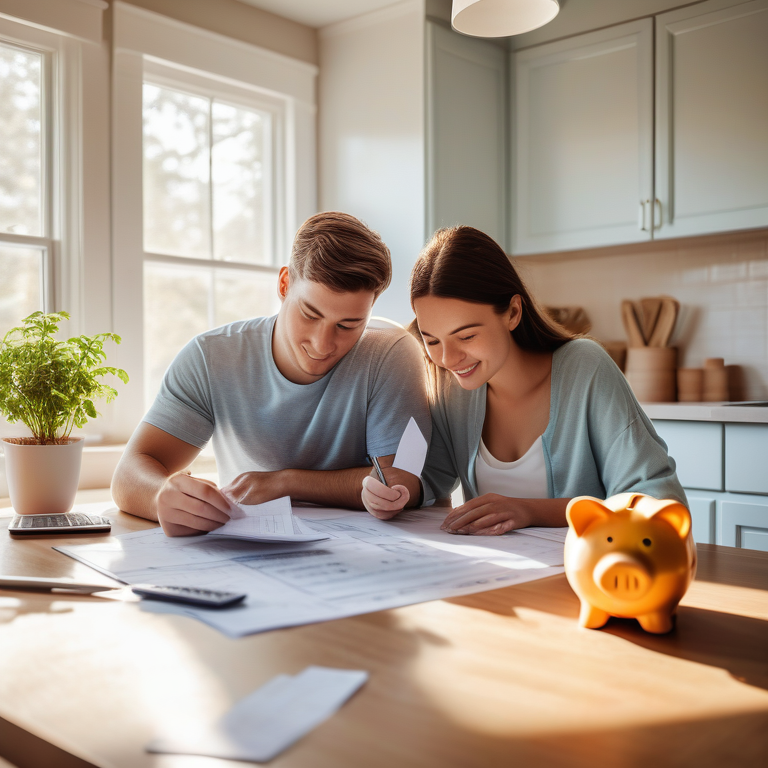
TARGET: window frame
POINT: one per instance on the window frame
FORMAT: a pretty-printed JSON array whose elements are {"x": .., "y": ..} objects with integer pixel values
[
  {"x": 147, "y": 44},
  {"x": 55, "y": 139},
  {"x": 163, "y": 75},
  {"x": 181, "y": 80},
  {"x": 70, "y": 111}
]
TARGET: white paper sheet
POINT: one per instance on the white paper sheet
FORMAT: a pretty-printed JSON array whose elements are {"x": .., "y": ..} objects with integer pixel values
[
  {"x": 264, "y": 724},
  {"x": 411, "y": 450},
  {"x": 553, "y": 534},
  {"x": 370, "y": 565},
  {"x": 271, "y": 521}
]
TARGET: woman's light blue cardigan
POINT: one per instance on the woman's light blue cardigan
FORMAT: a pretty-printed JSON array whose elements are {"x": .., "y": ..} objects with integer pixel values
[{"x": 598, "y": 442}]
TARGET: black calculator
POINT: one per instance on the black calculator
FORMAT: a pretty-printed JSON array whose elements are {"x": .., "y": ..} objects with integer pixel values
[
  {"x": 203, "y": 598},
  {"x": 63, "y": 525}
]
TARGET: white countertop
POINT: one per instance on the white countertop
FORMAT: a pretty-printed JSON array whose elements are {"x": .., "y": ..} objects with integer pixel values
[{"x": 734, "y": 412}]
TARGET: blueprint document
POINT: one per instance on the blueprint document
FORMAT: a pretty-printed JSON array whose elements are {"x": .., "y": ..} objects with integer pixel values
[{"x": 369, "y": 565}]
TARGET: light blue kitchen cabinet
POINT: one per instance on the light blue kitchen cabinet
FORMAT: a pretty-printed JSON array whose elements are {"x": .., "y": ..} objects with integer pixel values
[
  {"x": 650, "y": 129},
  {"x": 697, "y": 448},
  {"x": 703, "y": 516},
  {"x": 743, "y": 523},
  {"x": 582, "y": 140},
  {"x": 746, "y": 458},
  {"x": 466, "y": 126},
  {"x": 711, "y": 151},
  {"x": 724, "y": 470}
]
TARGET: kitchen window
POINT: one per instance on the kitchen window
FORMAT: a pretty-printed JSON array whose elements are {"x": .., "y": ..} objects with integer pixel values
[
  {"x": 213, "y": 169},
  {"x": 212, "y": 219},
  {"x": 25, "y": 189}
]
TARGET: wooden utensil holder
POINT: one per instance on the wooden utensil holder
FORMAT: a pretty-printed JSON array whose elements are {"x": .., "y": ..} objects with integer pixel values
[
  {"x": 715, "y": 380},
  {"x": 651, "y": 372},
  {"x": 690, "y": 385}
]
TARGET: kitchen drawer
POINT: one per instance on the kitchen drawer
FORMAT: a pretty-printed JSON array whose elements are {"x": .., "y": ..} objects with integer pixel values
[
  {"x": 746, "y": 458},
  {"x": 743, "y": 525},
  {"x": 697, "y": 448}
]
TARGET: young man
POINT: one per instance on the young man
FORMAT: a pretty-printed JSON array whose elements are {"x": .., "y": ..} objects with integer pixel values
[{"x": 293, "y": 403}]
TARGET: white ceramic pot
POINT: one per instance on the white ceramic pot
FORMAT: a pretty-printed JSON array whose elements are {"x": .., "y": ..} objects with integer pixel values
[{"x": 43, "y": 479}]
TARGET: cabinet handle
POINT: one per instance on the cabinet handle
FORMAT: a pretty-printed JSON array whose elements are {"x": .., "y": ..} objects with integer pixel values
[
  {"x": 656, "y": 207},
  {"x": 641, "y": 216}
]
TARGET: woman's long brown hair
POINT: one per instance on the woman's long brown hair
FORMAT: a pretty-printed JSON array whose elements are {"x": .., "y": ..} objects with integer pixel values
[{"x": 464, "y": 263}]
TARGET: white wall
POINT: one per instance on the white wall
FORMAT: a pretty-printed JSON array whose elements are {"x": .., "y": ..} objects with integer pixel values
[
  {"x": 240, "y": 21},
  {"x": 721, "y": 282},
  {"x": 371, "y": 133}
]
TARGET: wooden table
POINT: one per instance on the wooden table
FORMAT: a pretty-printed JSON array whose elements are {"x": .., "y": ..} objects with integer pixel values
[{"x": 504, "y": 678}]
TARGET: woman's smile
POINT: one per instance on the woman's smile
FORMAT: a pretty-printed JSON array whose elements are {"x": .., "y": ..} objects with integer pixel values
[{"x": 463, "y": 372}]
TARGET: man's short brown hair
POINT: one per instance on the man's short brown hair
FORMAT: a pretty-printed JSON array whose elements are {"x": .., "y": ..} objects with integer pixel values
[{"x": 340, "y": 252}]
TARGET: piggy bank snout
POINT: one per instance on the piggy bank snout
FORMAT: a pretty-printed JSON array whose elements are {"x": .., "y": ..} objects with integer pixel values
[{"x": 622, "y": 576}]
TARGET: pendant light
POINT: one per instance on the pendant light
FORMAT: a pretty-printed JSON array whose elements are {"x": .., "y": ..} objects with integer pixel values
[{"x": 501, "y": 18}]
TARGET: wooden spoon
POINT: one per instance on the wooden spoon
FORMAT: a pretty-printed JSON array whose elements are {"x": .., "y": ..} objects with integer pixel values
[
  {"x": 649, "y": 314},
  {"x": 631, "y": 324},
  {"x": 665, "y": 325}
]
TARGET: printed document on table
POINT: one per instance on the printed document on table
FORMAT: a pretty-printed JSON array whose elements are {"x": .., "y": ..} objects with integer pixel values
[
  {"x": 370, "y": 565},
  {"x": 271, "y": 521},
  {"x": 264, "y": 724},
  {"x": 555, "y": 534}
]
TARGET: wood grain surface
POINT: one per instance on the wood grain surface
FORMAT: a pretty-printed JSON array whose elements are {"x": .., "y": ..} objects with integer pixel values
[{"x": 503, "y": 678}]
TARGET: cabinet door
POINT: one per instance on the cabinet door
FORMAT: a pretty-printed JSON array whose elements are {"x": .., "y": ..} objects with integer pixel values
[
  {"x": 582, "y": 140},
  {"x": 466, "y": 133},
  {"x": 744, "y": 524},
  {"x": 746, "y": 457},
  {"x": 703, "y": 517},
  {"x": 697, "y": 448},
  {"x": 712, "y": 118}
]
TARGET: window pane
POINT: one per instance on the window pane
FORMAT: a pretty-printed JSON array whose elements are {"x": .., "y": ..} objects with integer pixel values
[
  {"x": 180, "y": 302},
  {"x": 241, "y": 184},
  {"x": 21, "y": 141},
  {"x": 176, "y": 301},
  {"x": 240, "y": 295},
  {"x": 20, "y": 279},
  {"x": 176, "y": 173}
]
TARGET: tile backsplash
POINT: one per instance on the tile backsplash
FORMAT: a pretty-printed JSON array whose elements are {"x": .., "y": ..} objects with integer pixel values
[{"x": 721, "y": 282}]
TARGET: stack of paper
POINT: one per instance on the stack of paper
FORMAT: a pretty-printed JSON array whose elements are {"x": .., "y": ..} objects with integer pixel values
[
  {"x": 363, "y": 565},
  {"x": 271, "y": 521},
  {"x": 272, "y": 718}
]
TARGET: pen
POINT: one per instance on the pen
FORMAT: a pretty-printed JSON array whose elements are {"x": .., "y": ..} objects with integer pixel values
[
  {"x": 51, "y": 585},
  {"x": 375, "y": 463}
]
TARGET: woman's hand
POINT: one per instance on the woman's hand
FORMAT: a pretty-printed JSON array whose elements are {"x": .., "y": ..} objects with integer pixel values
[
  {"x": 383, "y": 501},
  {"x": 489, "y": 515}
]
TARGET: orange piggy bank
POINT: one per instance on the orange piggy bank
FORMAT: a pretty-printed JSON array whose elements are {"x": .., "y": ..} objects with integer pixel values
[{"x": 630, "y": 556}]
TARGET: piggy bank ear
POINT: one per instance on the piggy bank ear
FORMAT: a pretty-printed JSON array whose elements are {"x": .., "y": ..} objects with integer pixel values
[
  {"x": 583, "y": 511},
  {"x": 675, "y": 514}
]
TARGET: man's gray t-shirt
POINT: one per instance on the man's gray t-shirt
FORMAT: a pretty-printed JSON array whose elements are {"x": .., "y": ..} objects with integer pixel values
[{"x": 224, "y": 385}]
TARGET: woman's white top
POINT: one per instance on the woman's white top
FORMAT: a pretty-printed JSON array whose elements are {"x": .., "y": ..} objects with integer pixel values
[{"x": 525, "y": 478}]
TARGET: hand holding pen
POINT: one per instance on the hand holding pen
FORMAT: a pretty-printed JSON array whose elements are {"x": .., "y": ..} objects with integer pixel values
[
  {"x": 375, "y": 462},
  {"x": 381, "y": 500}
]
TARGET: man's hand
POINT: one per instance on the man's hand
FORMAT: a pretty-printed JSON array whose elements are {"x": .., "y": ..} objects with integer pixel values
[
  {"x": 190, "y": 505},
  {"x": 386, "y": 501},
  {"x": 489, "y": 515},
  {"x": 256, "y": 487}
]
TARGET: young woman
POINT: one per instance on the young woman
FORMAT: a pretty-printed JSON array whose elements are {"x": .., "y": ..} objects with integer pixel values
[{"x": 524, "y": 416}]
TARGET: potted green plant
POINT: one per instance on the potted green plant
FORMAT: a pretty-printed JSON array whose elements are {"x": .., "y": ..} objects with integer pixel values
[{"x": 50, "y": 386}]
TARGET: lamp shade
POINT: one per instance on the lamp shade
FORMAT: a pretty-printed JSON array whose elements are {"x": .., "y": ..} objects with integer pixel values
[{"x": 501, "y": 18}]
